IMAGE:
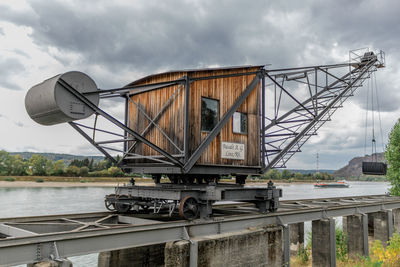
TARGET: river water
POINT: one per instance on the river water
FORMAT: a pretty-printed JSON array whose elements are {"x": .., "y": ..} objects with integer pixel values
[{"x": 27, "y": 201}]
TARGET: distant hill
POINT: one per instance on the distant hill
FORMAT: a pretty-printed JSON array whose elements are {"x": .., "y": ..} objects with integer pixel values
[
  {"x": 311, "y": 171},
  {"x": 353, "y": 168},
  {"x": 67, "y": 158}
]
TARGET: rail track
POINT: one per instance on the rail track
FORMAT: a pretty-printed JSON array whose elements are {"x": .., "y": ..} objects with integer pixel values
[{"x": 36, "y": 238}]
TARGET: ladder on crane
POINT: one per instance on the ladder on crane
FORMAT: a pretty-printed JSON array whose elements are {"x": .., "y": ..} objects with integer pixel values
[{"x": 286, "y": 130}]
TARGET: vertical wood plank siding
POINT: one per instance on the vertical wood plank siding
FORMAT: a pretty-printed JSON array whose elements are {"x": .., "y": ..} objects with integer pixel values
[{"x": 226, "y": 90}]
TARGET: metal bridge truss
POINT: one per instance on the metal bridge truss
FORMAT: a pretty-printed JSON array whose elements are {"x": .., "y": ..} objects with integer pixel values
[
  {"x": 286, "y": 123},
  {"x": 40, "y": 238}
]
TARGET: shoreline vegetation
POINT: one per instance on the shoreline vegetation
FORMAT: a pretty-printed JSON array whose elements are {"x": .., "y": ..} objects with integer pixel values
[
  {"x": 39, "y": 168},
  {"x": 40, "y": 171},
  {"x": 63, "y": 181}
]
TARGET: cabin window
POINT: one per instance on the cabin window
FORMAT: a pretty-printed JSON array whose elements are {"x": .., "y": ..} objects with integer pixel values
[
  {"x": 209, "y": 113},
  {"x": 239, "y": 124}
]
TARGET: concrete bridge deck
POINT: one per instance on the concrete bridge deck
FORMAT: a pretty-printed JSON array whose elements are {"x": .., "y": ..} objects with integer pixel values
[{"x": 39, "y": 238}]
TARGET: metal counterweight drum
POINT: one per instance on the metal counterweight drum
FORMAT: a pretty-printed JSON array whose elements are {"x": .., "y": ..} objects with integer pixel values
[
  {"x": 49, "y": 103},
  {"x": 374, "y": 168}
]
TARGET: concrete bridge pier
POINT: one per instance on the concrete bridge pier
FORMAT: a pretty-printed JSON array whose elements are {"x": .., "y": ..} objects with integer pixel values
[
  {"x": 52, "y": 263},
  {"x": 371, "y": 224},
  {"x": 356, "y": 229},
  {"x": 396, "y": 220},
  {"x": 323, "y": 243},
  {"x": 145, "y": 256},
  {"x": 296, "y": 237},
  {"x": 383, "y": 226},
  {"x": 251, "y": 247}
]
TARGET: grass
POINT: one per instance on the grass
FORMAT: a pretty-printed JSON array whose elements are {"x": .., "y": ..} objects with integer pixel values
[
  {"x": 304, "y": 255},
  {"x": 380, "y": 256},
  {"x": 28, "y": 178},
  {"x": 8, "y": 179},
  {"x": 71, "y": 179}
]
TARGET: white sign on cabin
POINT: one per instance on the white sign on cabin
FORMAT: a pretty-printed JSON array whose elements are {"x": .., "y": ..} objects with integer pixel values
[{"x": 232, "y": 150}]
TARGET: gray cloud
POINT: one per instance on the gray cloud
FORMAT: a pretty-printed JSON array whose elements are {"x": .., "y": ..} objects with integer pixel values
[
  {"x": 1, "y": 31},
  {"x": 172, "y": 38},
  {"x": 19, "y": 124},
  {"x": 85, "y": 149},
  {"x": 358, "y": 23},
  {"x": 28, "y": 148},
  {"x": 327, "y": 159},
  {"x": 9, "y": 68},
  {"x": 21, "y": 53},
  {"x": 160, "y": 36},
  {"x": 19, "y": 17},
  {"x": 386, "y": 95}
]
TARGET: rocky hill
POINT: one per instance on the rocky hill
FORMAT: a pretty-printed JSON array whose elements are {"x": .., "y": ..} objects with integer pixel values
[{"x": 353, "y": 168}]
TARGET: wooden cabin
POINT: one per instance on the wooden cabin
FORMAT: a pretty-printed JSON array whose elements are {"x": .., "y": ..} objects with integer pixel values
[{"x": 212, "y": 92}]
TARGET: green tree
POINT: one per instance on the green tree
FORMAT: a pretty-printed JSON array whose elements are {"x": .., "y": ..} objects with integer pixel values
[
  {"x": 58, "y": 168},
  {"x": 273, "y": 174},
  {"x": 392, "y": 155},
  {"x": 298, "y": 176},
  {"x": 117, "y": 158},
  {"x": 4, "y": 163},
  {"x": 76, "y": 162},
  {"x": 49, "y": 167},
  {"x": 12, "y": 165},
  {"x": 72, "y": 171},
  {"x": 84, "y": 171},
  {"x": 91, "y": 165},
  {"x": 38, "y": 165},
  {"x": 18, "y": 166},
  {"x": 85, "y": 162},
  {"x": 286, "y": 174},
  {"x": 115, "y": 172},
  {"x": 109, "y": 163},
  {"x": 102, "y": 165}
]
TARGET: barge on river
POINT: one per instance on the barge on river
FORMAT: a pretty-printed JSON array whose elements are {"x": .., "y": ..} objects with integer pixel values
[{"x": 337, "y": 184}]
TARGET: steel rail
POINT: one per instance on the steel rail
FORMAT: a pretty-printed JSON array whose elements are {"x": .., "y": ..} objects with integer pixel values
[
  {"x": 216, "y": 205},
  {"x": 22, "y": 250}
]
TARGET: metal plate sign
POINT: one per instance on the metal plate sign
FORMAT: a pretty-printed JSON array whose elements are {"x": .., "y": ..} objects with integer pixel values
[{"x": 232, "y": 150}]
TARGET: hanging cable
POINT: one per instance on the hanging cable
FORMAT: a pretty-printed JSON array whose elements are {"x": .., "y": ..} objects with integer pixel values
[
  {"x": 372, "y": 100},
  {"x": 379, "y": 111},
  {"x": 366, "y": 119},
  {"x": 373, "y": 148},
  {"x": 371, "y": 166}
]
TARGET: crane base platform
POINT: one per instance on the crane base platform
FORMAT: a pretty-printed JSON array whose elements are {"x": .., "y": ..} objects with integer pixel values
[{"x": 190, "y": 201}]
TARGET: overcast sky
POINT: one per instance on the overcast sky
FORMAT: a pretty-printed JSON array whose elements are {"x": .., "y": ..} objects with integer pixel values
[{"x": 116, "y": 42}]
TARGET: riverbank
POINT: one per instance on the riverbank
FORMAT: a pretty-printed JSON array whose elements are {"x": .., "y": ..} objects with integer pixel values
[
  {"x": 20, "y": 184},
  {"x": 55, "y": 181},
  {"x": 61, "y": 181}
]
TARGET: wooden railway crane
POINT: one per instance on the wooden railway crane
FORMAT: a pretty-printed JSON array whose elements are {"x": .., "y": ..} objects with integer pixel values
[{"x": 195, "y": 126}]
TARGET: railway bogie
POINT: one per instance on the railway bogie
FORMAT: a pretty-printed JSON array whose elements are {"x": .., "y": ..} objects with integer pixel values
[{"x": 189, "y": 201}]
